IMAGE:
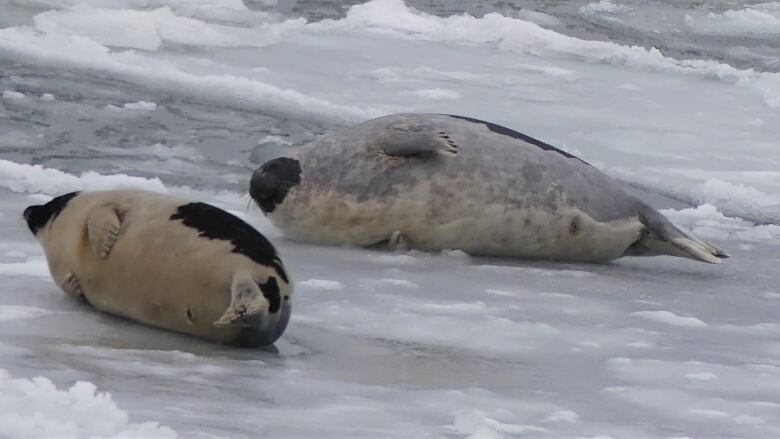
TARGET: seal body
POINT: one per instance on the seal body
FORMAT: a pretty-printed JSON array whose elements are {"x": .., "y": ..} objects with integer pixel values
[
  {"x": 166, "y": 262},
  {"x": 433, "y": 181}
]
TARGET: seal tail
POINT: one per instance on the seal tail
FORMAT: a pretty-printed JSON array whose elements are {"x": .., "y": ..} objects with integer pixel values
[{"x": 661, "y": 237}]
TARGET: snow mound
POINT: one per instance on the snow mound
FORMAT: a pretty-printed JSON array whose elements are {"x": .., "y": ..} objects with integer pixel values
[
  {"x": 670, "y": 318},
  {"x": 478, "y": 425},
  {"x": 756, "y": 20},
  {"x": 603, "y": 6},
  {"x": 23, "y": 178},
  {"x": 707, "y": 222},
  {"x": 145, "y": 30},
  {"x": 36, "y": 408}
]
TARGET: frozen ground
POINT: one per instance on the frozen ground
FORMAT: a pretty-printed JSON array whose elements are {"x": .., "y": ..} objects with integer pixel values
[{"x": 190, "y": 95}]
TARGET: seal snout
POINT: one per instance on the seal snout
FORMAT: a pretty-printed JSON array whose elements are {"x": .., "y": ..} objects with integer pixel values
[
  {"x": 271, "y": 182},
  {"x": 36, "y": 217}
]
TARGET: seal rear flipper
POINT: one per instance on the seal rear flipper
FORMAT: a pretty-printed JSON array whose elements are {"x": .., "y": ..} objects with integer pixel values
[
  {"x": 661, "y": 237},
  {"x": 398, "y": 242},
  {"x": 248, "y": 303},
  {"x": 103, "y": 229}
]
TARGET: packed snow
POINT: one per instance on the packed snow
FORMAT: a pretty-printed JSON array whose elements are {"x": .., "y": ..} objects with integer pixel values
[{"x": 191, "y": 96}]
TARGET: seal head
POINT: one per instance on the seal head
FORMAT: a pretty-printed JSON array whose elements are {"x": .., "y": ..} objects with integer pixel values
[
  {"x": 271, "y": 182},
  {"x": 38, "y": 216}
]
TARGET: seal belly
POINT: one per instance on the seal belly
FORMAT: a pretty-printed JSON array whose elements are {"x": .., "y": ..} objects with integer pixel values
[
  {"x": 435, "y": 218},
  {"x": 175, "y": 265}
]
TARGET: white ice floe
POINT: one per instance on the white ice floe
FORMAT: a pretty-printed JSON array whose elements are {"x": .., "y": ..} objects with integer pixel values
[
  {"x": 13, "y": 95},
  {"x": 437, "y": 94},
  {"x": 242, "y": 91},
  {"x": 707, "y": 222},
  {"x": 670, "y": 318},
  {"x": 24, "y": 178},
  {"x": 36, "y": 408},
  {"x": 478, "y": 425},
  {"x": 394, "y": 18},
  {"x": 141, "y": 105},
  {"x": 603, "y": 6},
  {"x": 564, "y": 416},
  {"x": 755, "y": 20}
]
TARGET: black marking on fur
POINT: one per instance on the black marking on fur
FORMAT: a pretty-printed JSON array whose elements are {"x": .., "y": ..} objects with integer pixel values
[
  {"x": 214, "y": 223},
  {"x": 575, "y": 225},
  {"x": 39, "y": 215},
  {"x": 270, "y": 291},
  {"x": 498, "y": 129},
  {"x": 271, "y": 182}
]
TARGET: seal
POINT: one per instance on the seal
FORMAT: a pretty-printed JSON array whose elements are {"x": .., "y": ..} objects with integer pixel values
[
  {"x": 185, "y": 266},
  {"x": 435, "y": 181}
]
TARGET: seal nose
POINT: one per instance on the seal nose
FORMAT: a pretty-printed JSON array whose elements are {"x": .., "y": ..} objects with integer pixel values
[
  {"x": 261, "y": 185},
  {"x": 264, "y": 331},
  {"x": 262, "y": 188},
  {"x": 28, "y": 213}
]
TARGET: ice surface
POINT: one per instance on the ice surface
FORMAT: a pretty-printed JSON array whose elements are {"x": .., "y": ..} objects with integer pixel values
[{"x": 194, "y": 94}]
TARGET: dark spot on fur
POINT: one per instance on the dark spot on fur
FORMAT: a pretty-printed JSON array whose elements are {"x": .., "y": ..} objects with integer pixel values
[
  {"x": 190, "y": 316},
  {"x": 270, "y": 291},
  {"x": 575, "y": 226},
  {"x": 215, "y": 223},
  {"x": 514, "y": 134},
  {"x": 38, "y": 216},
  {"x": 527, "y": 222},
  {"x": 271, "y": 182}
]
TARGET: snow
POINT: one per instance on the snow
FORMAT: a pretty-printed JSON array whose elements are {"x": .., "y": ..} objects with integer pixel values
[
  {"x": 36, "y": 408},
  {"x": 140, "y": 105},
  {"x": 759, "y": 19},
  {"x": 12, "y": 95},
  {"x": 603, "y": 6},
  {"x": 670, "y": 318},
  {"x": 195, "y": 94}
]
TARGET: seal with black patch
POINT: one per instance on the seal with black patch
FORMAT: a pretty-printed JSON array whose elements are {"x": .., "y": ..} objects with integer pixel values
[
  {"x": 438, "y": 181},
  {"x": 184, "y": 266}
]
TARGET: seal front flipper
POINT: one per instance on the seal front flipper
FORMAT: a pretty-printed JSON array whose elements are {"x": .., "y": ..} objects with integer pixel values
[
  {"x": 247, "y": 302},
  {"x": 71, "y": 285},
  {"x": 103, "y": 229},
  {"x": 661, "y": 237},
  {"x": 415, "y": 140},
  {"x": 398, "y": 242}
]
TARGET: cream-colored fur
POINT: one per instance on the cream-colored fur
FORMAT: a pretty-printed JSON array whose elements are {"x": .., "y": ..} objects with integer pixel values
[
  {"x": 121, "y": 250},
  {"x": 328, "y": 217}
]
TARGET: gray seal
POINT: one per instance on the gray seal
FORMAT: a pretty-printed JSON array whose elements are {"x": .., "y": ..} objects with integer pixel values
[
  {"x": 434, "y": 181},
  {"x": 184, "y": 266}
]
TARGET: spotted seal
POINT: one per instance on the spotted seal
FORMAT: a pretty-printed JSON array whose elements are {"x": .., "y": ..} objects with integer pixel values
[
  {"x": 434, "y": 181},
  {"x": 184, "y": 266}
]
